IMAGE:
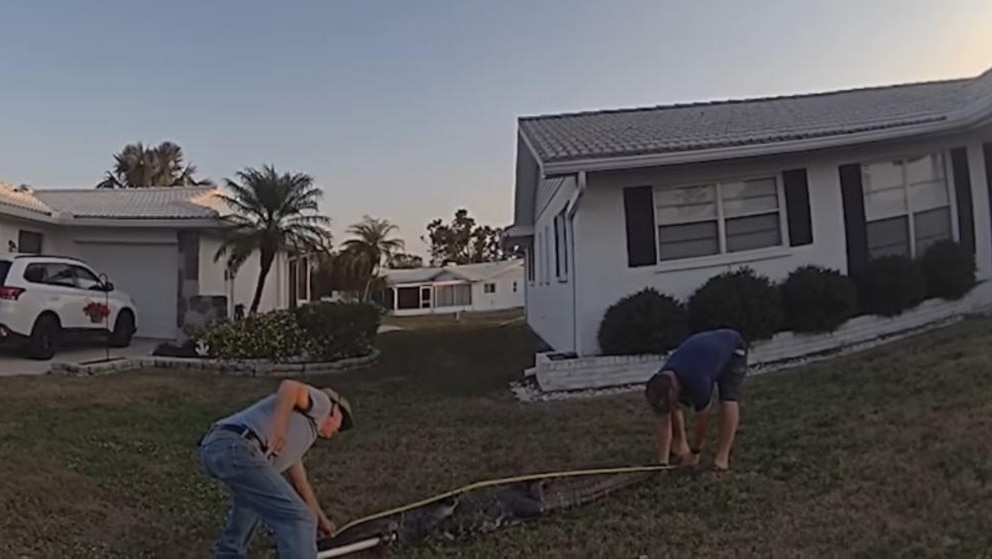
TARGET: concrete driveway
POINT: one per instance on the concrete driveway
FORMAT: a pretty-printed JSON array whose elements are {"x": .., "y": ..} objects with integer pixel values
[{"x": 12, "y": 364}]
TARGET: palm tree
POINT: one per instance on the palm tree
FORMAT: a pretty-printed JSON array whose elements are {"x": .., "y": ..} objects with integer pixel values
[
  {"x": 371, "y": 245},
  {"x": 137, "y": 166},
  {"x": 272, "y": 213}
]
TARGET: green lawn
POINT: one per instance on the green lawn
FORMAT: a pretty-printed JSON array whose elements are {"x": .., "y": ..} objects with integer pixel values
[{"x": 886, "y": 453}]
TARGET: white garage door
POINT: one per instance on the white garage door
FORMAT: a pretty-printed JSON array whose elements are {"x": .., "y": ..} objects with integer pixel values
[{"x": 146, "y": 272}]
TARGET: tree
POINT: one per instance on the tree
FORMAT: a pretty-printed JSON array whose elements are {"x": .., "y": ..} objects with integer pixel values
[
  {"x": 137, "y": 166},
  {"x": 370, "y": 246},
  {"x": 402, "y": 260},
  {"x": 272, "y": 213},
  {"x": 463, "y": 241}
]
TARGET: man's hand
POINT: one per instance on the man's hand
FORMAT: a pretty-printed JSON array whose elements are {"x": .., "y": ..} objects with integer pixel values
[
  {"x": 291, "y": 395},
  {"x": 325, "y": 528}
]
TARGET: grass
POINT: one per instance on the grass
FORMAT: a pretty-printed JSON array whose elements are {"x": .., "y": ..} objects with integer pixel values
[
  {"x": 885, "y": 453},
  {"x": 468, "y": 319}
]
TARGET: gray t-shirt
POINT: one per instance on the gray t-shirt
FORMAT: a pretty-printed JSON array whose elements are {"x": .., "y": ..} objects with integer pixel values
[{"x": 301, "y": 429}]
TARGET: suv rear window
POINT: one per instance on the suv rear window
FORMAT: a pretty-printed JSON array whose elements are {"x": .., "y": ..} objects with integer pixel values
[{"x": 4, "y": 268}]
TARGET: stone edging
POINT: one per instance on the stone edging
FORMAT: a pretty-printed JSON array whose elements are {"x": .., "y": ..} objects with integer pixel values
[{"x": 253, "y": 368}]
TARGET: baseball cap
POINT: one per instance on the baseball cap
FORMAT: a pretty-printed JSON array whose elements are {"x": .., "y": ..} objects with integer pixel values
[{"x": 347, "y": 418}]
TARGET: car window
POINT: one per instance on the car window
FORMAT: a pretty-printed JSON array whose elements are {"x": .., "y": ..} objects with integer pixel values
[
  {"x": 4, "y": 268},
  {"x": 51, "y": 273},
  {"x": 85, "y": 278}
]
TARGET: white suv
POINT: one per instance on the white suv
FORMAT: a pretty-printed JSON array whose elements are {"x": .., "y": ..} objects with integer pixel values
[{"x": 43, "y": 298}]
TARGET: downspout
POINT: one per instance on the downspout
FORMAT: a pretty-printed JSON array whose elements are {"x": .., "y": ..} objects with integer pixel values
[{"x": 574, "y": 273}]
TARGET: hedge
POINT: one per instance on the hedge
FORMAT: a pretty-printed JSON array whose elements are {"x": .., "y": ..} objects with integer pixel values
[
  {"x": 646, "y": 322},
  {"x": 816, "y": 299},
  {"x": 742, "y": 300}
]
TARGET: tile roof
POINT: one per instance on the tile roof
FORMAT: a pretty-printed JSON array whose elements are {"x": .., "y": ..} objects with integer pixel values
[
  {"x": 696, "y": 126},
  {"x": 22, "y": 199},
  {"x": 468, "y": 272},
  {"x": 133, "y": 203}
]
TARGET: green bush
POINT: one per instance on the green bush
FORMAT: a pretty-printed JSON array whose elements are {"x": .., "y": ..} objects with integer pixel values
[
  {"x": 338, "y": 330},
  {"x": 646, "y": 322},
  {"x": 314, "y": 332},
  {"x": 272, "y": 335},
  {"x": 742, "y": 300},
  {"x": 817, "y": 299},
  {"x": 949, "y": 270},
  {"x": 891, "y": 285}
]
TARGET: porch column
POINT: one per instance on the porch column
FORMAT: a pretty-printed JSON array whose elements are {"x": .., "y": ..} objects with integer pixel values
[{"x": 396, "y": 301}]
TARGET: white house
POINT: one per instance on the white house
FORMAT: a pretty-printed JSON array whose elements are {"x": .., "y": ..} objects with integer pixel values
[
  {"x": 609, "y": 202},
  {"x": 482, "y": 287},
  {"x": 156, "y": 244}
]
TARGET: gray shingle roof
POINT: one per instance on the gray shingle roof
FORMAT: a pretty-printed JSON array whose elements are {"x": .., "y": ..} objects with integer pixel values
[
  {"x": 468, "y": 272},
  {"x": 133, "y": 203},
  {"x": 689, "y": 127}
]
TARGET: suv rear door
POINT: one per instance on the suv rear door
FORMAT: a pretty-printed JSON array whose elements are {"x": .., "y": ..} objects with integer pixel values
[{"x": 57, "y": 291}]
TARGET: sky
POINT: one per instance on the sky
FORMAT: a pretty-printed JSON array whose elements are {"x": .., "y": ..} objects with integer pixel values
[{"x": 407, "y": 109}]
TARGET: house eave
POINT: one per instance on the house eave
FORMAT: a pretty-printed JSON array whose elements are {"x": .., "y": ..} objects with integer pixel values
[
  {"x": 962, "y": 121},
  {"x": 153, "y": 223}
]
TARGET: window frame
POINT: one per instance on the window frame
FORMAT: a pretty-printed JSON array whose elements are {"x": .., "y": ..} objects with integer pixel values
[
  {"x": 561, "y": 245},
  {"x": 949, "y": 185},
  {"x": 75, "y": 280},
  {"x": 721, "y": 220}
]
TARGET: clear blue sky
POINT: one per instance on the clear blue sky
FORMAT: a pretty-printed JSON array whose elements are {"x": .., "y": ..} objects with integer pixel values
[{"x": 406, "y": 109}]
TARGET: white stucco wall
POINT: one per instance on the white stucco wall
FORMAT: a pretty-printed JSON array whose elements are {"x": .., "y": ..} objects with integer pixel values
[
  {"x": 602, "y": 273},
  {"x": 549, "y": 299},
  {"x": 505, "y": 297},
  {"x": 275, "y": 294}
]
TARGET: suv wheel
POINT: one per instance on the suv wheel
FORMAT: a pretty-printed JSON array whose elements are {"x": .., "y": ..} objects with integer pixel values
[
  {"x": 123, "y": 330},
  {"x": 44, "y": 338}
]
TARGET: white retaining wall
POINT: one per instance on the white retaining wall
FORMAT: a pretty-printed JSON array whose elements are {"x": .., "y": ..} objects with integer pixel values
[{"x": 602, "y": 372}]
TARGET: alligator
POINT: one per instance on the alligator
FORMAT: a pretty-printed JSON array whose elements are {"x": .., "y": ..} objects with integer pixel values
[{"x": 482, "y": 510}]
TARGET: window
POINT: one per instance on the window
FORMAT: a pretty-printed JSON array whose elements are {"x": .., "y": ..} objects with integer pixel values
[
  {"x": 547, "y": 256},
  {"x": 907, "y": 205},
  {"x": 489, "y": 288},
  {"x": 85, "y": 278},
  {"x": 459, "y": 295},
  {"x": 530, "y": 262},
  {"x": 29, "y": 242},
  {"x": 718, "y": 218},
  {"x": 540, "y": 259},
  {"x": 561, "y": 247},
  {"x": 51, "y": 273}
]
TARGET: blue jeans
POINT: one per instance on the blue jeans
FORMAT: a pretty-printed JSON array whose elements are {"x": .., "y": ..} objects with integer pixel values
[{"x": 258, "y": 494}]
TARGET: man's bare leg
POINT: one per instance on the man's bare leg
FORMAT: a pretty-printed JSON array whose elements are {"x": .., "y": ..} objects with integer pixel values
[
  {"x": 663, "y": 436},
  {"x": 729, "y": 419}
]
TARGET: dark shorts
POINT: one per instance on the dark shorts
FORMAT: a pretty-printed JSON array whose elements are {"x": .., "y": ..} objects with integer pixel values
[{"x": 731, "y": 383}]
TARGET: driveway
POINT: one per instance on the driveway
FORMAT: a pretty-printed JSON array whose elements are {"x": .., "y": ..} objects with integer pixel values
[{"x": 12, "y": 364}]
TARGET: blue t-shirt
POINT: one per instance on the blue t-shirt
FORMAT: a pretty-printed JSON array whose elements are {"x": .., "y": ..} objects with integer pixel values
[{"x": 700, "y": 361}]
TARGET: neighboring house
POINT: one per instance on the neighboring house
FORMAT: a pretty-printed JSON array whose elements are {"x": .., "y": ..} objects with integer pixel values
[
  {"x": 610, "y": 202},
  {"x": 157, "y": 244},
  {"x": 483, "y": 287}
]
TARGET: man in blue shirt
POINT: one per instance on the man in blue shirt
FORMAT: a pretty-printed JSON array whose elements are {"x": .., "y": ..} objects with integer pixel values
[{"x": 704, "y": 360}]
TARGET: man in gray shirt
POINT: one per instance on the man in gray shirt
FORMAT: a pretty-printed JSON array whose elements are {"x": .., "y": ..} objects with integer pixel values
[{"x": 250, "y": 450}]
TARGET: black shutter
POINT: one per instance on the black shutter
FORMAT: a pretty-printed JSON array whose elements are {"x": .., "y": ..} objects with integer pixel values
[
  {"x": 962, "y": 193},
  {"x": 855, "y": 227},
  {"x": 797, "y": 211},
  {"x": 638, "y": 208},
  {"x": 987, "y": 151}
]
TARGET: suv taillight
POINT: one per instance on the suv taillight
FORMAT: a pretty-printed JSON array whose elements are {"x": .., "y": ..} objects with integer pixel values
[{"x": 10, "y": 293}]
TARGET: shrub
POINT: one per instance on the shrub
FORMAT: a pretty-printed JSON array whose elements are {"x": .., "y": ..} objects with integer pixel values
[
  {"x": 338, "y": 330},
  {"x": 272, "y": 335},
  {"x": 949, "y": 270},
  {"x": 742, "y": 300},
  {"x": 890, "y": 285},
  {"x": 818, "y": 299},
  {"x": 646, "y": 322}
]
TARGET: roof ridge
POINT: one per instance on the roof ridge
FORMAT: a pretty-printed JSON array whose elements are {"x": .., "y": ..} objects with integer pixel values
[
  {"x": 743, "y": 100},
  {"x": 137, "y": 189}
]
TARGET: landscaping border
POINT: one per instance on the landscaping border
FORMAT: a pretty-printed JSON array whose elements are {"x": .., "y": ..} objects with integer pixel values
[
  {"x": 560, "y": 373},
  {"x": 248, "y": 368}
]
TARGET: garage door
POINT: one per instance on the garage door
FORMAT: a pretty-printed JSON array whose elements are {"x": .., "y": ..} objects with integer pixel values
[{"x": 146, "y": 272}]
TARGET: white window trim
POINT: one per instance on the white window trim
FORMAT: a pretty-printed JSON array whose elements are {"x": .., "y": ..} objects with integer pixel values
[
  {"x": 951, "y": 194},
  {"x": 724, "y": 257}
]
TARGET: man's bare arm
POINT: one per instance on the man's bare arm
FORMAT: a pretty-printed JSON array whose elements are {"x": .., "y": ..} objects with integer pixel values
[
  {"x": 298, "y": 478},
  {"x": 291, "y": 395},
  {"x": 663, "y": 434}
]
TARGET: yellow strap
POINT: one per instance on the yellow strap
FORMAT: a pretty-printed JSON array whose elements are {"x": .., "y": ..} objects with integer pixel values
[{"x": 491, "y": 482}]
